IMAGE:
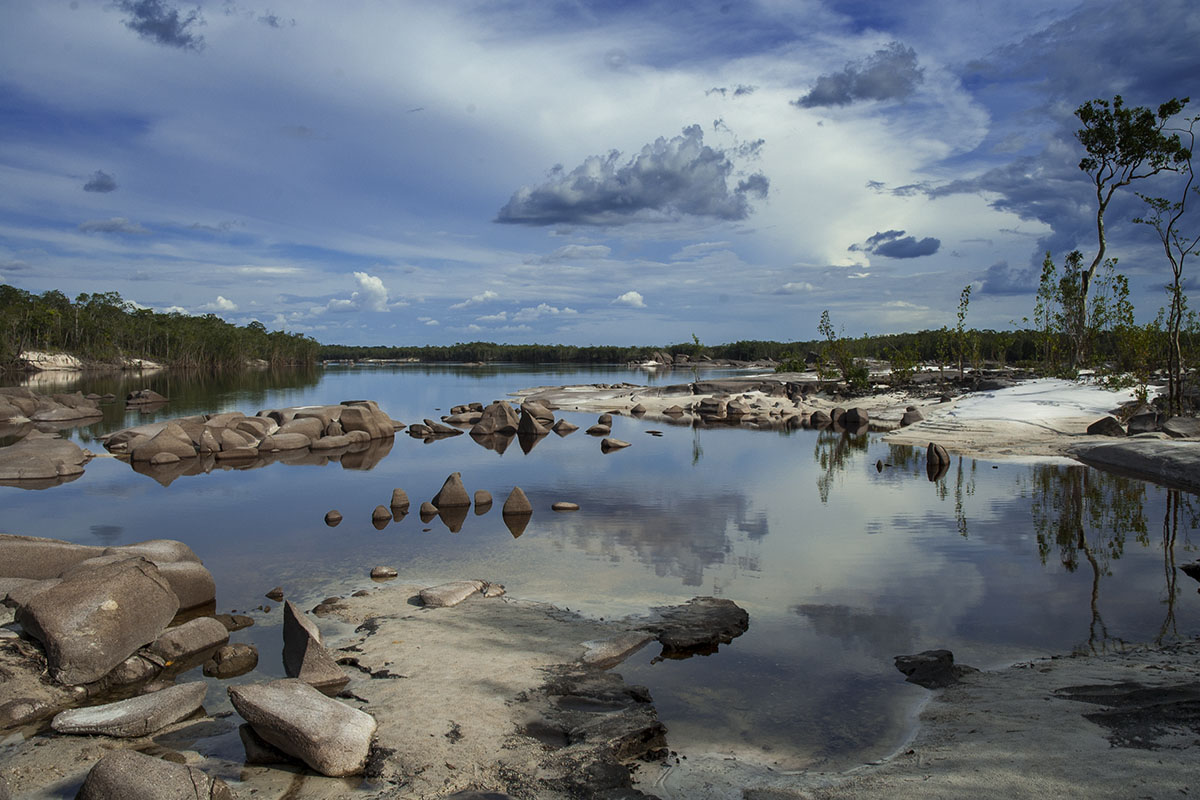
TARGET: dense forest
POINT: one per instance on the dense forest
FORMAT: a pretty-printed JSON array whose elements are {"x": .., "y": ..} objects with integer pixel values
[{"x": 103, "y": 327}]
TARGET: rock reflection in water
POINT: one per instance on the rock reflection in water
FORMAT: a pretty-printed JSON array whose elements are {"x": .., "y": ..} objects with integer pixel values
[{"x": 355, "y": 457}]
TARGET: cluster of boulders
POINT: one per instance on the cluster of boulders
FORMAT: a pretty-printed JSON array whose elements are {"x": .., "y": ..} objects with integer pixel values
[
  {"x": 496, "y": 425},
  {"x": 452, "y": 503},
  {"x": 1145, "y": 419}
]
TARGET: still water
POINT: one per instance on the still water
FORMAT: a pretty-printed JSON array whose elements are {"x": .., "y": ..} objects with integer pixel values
[{"x": 841, "y": 566}]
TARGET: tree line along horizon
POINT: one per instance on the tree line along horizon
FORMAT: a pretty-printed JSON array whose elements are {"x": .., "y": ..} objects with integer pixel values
[{"x": 1082, "y": 314}]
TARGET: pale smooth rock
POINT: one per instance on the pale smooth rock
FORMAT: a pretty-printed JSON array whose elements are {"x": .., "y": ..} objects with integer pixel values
[{"x": 137, "y": 716}]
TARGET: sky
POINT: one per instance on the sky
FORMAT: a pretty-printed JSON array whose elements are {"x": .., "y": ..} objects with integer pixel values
[{"x": 607, "y": 172}]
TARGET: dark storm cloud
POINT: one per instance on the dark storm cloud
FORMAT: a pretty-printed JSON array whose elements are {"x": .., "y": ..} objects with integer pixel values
[
  {"x": 100, "y": 181},
  {"x": 159, "y": 22},
  {"x": 1001, "y": 279},
  {"x": 668, "y": 178},
  {"x": 888, "y": 74},
  {"x": 894, "y": 244}
]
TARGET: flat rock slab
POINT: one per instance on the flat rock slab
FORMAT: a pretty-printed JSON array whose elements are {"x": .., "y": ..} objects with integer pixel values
[
  {"x": 447, "y": 595},
  {"x": 331, "y": 737},
  {"x": 697, "y": 627},
  {"x": 1172, "y": 463},
  {"x": 607, "y": 653},
  {"x": 137, "y": 716},
  {"x": 130, "y": 775},
  {"x": 191, "y": 638}
]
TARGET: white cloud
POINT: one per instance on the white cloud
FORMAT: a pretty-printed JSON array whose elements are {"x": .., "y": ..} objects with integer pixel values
[
  {"x": 796, "y": 287},
  {"x": 220, "y": 304},
  {"x": 432, "y": 322},
  {"x": 173, "y": 310},
  {"x": 372, "y": 295},
  {"x": 501, "y": 317},
  {"x": 631, "y": 299},
  {"x": 477, "y": 299},
  {"x": 543, "y": 309}
]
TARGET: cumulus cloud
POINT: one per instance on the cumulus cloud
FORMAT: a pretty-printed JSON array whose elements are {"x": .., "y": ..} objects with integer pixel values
[
  {"x": 100, "y": 181},
  {"x": 575, "y": 252},
  {"x": 894, "y": 244},
  {"x": 478, "y": 299},
  {"x": 795, "y": 287},
  {"x": 371, "y": 295},
  {"x": 162, "y": 23},
  {"x": 113, "y": 225},
  {"x": 173, "y": 310},
  {"x": 888, "y": 74},
  {"x": 501, "y": 316},
  {"x": 220, "y": 304},
  {"x": 543, "y": 310},
  {"x": 631, "y": 299},
  {"x": 667, "y": 179}
]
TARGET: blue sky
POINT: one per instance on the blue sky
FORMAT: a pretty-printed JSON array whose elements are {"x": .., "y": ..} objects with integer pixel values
[{"x": 570, "y": 172}]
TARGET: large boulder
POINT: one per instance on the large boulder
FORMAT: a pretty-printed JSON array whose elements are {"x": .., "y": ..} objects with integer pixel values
[
  {"x": 171, "y": 439},
  {"x": 1182, "y": 427},
  {"x": 41, "y": 456},
  {"x": 97, "y": 616},
  {"x": 332, "y": 738},
  {"x": 360, "y": 418},
  {"x": 305, "y": 657},
  {"x": 38, "y": 558},
  {"x": 453, "y": 494},
  {"x": 137, "y": 716},
  {"x": 1106, "y": 426},
  {"x": 384, "y": 424},
  {"x": 130, "y": 775},
  {"x": 189, "y": 639},
  {"x": 499, "y": 417},
  {"x": 529, "y": 425}
]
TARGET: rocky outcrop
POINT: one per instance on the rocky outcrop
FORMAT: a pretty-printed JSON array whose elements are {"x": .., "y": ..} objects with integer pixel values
[
  {"x": 331, "y": 737},
  {"x": 130, "y": 775},
  {"x": 41, "y": 457},
  {"x": 137, "y": 716},
  {"x": 933, "y": 669},
  {"x": 1167, "y": 461},
  {"x": 499, "y": 417},
  {"x": 97, "y": 615},
  {"x": 698, "y": 627},
  {"x": 1106, "y": 426}
]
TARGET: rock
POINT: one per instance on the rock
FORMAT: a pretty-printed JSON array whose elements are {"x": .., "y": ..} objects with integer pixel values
[
  {"x": 936, "y": 454},
  {"x": 854, "y": 418},
  {"x": 1106, "y": 426},
  {"x": 1168, "y": 461},
  {"x": 192, "y": 637},
  {"x": 607, "y": 653},
  {"x": 333, "y": 518},
  {"x": 137, "y": 716},
  {"x": 399, "y": 500},
  {"x": 673, "y": 411},
  {"x": 638, "y": 410},
  {"x": 1182, "y": 427},
  {"x": 438, "y": 429},
  {"x": 333, "y": 442},
  {"x": 381, "y": 514},
  {"x": 562, "y": 427},
  {"x": 563, "y": 505},
  {"x": 450, "y": 594},
  {"x": 130, "y": 775},
  {"x": 483, "y": 501},
  {"x": 171, "y": 439},
  {"x": 609, "y": 444},
  {"x": 137, "y": 670},
  {"x": 605, "y": 419},
  {"x": 41, "y": 456},
  {"x": 22, "y": 711},
  {"x": 275, "y": 594},
  {"x": 517, "y": 503},
  {"x": 158, "y": 459},
  {"x": 38, "y": 558},
  {"x": 517, "y": 523},
  {"x": 699, "y": 626},
  {"x": 933, "y": 669},
  {"x": 359, "y": 418},
  {"x": 427, "y": 511},
  {"x": 232, "y": 660},
  {"x": 452, "y": 494},
  {"x": 304, "y": 657},
  {"x": 97, "y": 616},
  {"x": 1145, "y": 422},
  {"x": 454, "y": 517},
  {"x": 144, "y": 397},
  {"x": 911, "y": 417},
  {"x": 499, "y": 417},
  {"x": 234, "y": 622},
  {"x": 530, "y": 425},
  {"x": 383, "y": 573},
  {"x": 819, "y": 419},
  {"x": 308, "y": 427},
  {"x": 329, "y": 736},
  {"x": 599, "y": 430}
]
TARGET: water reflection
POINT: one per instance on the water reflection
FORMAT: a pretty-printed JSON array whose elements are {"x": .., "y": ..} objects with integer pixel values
[
  {"x": 361, "y": 457},
  {"x": 832, "y": 451}
]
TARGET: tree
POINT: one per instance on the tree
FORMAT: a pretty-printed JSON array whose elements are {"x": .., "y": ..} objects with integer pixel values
[
  {"x": 1123, "y": 145},
  {"x": 1166, "y": 217},
  {"x": 962, "y": 339}
]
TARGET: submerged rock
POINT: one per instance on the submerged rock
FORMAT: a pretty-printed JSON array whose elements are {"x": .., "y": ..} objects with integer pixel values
[
  {"x": 232, "y": 660},
  {"x": 137, "y": 716},
  {"x": 933, "y": 669}
]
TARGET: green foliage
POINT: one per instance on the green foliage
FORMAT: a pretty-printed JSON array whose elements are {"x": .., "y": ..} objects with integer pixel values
[
  {"x": 903, "y": 362},
  {"x": 104, "y": 327}
]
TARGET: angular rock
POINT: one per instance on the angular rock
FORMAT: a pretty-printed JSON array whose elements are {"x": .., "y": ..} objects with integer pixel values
[
  {"x": 399, "y": 500},
  {"x": 483, "y": 501},
  {"x": 447, "y": 595},
  {"x": 383, "y": 573},
  {"x": 438, "y": 429},
  {"x": 911, "y": 417},
  {"x": 699, "y": 626},
  {"x": 819, "y": 419},
  {"x": 137, "y": 716},
  {"x": 304, "y": 657},
  {"x": 673, "y": 411},
  {"x": 1144, "y": 422},
  {"x": 332, "y": 738},
  {"x": 1182, "y": 427},
  {"x": 530, "y": 425},
  {"x": 936, "y": 454},
  {"x": 232, "y": 660},
  {"x": 933, "y": 669},
  {"x": 275, "y": 594},
  {"x": 452, "y": 494},
  {"x": 192, "y": 637},
  {"x": 1106, "y": 426},
  {"x": 234, "y": 622},
  {"x": 517, "y": 503},
  {"x": 171, "y": 439},
  {"x": 609, "y": 444},
  {"x": 499, "y": 417},
  {"x": 381, "y": 513},
  {"x": 130, "y": 775},
  {"x": 97, "y": 616},
  {"x": 562, "y": 427}
]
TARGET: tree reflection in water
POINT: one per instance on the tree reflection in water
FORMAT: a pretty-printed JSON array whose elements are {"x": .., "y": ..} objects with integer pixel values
[
  {"x": 1178, "y": 503},
  {"x": 832, "y": 452}
]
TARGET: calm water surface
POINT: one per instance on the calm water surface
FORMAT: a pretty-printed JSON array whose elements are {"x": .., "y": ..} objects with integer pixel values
[{"x": 840, "y": 566}]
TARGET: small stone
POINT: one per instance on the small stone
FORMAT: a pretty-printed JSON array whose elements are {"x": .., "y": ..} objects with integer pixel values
[
  {"x": 382, "y": 573},
  {"x": 562, "y": 505},
  {"x": 275, "y": 594},
  {"x": 232, "y": 660},
  {"x": 517, "y": 503},
  {"x": 333, "y": 517},
  {"x": 399, "y": 500},
  {"x": 381, "y": 513},
  {"x": 609, "y": 444}
]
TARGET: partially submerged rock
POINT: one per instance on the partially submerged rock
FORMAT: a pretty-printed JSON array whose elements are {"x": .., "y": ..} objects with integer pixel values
[
  {"x": 130, "y": 775},
  {"x": 192, "y": 638},
  {"x": 517, "y": 504},
  {"x": 452, "y": 493},
  {"x": 331, "y": 737},
  {"x": 698, "y": 627},
  {"x": 232, "y": 660},
  {"x": 1171, "y": 462},
  {"x": 447, "y": 595},
  {"x": 137, "y": 716},
  {"x": 41, "y": 457},
  {"x": 933, "y": 669}
]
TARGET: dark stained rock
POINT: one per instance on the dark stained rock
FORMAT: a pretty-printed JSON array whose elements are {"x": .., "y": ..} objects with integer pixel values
[
  {"x": 819, "y": 419},
  {"x": 699, "y": 626},
  {"x": 275, "y": 594},
  {"x": 130, "y": 775},
  {"x": 933, "y": 669},
  {"x": 936, "y": 454},
  {"x": 1192, "y": 570},
  {"x": 1106, "y": 426},
  {"x": 138, "y": 716},
  {"x": 854, "y": 418},
  {"x": 232, "y": 660},
  {"x": 1143, "y": 422},
  {"x": 305, "y": 657},
  {"x": 97, "y": 616},
  {"x": 452, "y": 493},
  {"x": 517, "y": 503},
  {"x": 331, "y": 737}
]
